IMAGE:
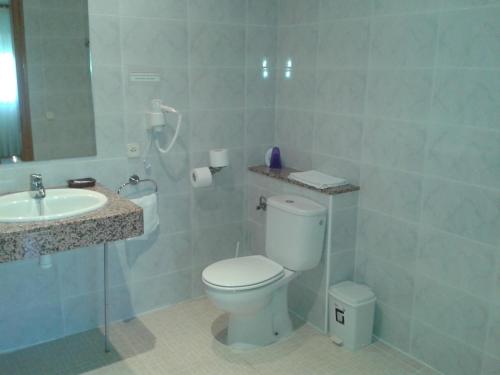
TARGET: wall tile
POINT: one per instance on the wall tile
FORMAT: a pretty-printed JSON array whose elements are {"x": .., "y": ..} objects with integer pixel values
[
  {"x": 462, "y": 209},
  {"x": 294, "y": 128},
  {"x": 259, "y": 126},
  {"x": 459, "y": 4},
  {"x": 392, "y": 285},
  {"x": 262, "y": 12},
  {"x": 341, "y": 91},
  {"x": 407, "y": 142},
  {"x": 338, "y": 135},
  {"x": 105, "y": 39},
  {"x": 392, "y": 326},
  {"x": 297, "y": 44},
  {"x": 160, "y": 254},
  {"x": 83, "y": 312},
  {"x": 392, "y": 192},
  {"x": 74, "y": 270},
  {"x": 292, "y": 12},
  {"x": 217, "y": 88},
  {"x": 216, "y": 129},
  {"x": 404, "y": 41},
  {"x": 260, "y": 90},
  {"x": 344, "y": 43},
  {"x": 389, "y": 239},
  {"x": 110, "y": 135},
  {"x": 255, "y": 238},
  {"x": 26, "y": 286},
  {"x": 466, "y": 154},
  {"x": 215, "y": 243},
  {"x": 455, "y": 261},
  {"x": 295, "y": 158},
  {"x": 400, "y": 94},
  {"x": 297, "y": 91},
  {"x": 341, "y": 267},
  {"x": 343, "y": 229},
  {"x": 107, "y": 92},
  {"x": 30, "y": 326},
  {"x": 442, "y": 352},
  {"x": 142, "y": 37},
  {"x": 217, "y": 45},
  {"x": 448, "y": 310},
  {"x": 172, "y": 88},
  {"x": 404, "y": 6},
  {"x": 154, "y": 8},
  {"x": 261, "y": 43},
  {"x": 492, "y": 345},
  {"x": 470, "y": 38},
  {"x": 466, "y": 97},
  {"x": 333, "y": 9},
  {"x": 103, "y": 7},
  {"x": 490, "y": 365},
  {"x": 217, "y": 205},
  {"x": 174, "y": 213},
  {"x": 306, "y": 304},
  {"x": 227, "y": 11}
]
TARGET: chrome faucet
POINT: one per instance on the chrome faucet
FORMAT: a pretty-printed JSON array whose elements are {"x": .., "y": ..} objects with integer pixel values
[{"x": 37, "y": 186}]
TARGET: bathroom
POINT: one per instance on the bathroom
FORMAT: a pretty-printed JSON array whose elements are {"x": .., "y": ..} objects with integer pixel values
[{"x": 401, "y": 98}]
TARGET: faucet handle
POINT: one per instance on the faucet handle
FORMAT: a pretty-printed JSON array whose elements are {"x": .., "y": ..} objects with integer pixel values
[{"x": 36, "y": 177}]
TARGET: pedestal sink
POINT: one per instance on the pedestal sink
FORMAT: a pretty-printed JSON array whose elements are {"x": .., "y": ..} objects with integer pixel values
[{"x": 57, "y": 204}]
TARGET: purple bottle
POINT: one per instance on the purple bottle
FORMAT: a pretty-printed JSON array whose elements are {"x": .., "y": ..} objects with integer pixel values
[{"x": 275, "y": 159}]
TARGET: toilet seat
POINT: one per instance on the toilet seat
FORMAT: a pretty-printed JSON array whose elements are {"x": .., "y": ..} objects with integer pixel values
[{"x": 243, "y": 273}]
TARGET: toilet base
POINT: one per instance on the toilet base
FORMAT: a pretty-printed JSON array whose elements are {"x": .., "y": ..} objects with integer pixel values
[{"x": 264, "y": 327}]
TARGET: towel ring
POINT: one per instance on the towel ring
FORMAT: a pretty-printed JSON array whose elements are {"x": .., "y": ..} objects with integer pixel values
[{"x": 135, "y": 180}]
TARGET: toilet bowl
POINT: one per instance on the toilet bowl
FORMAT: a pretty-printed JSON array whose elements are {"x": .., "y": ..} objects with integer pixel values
[
  {"x": 256, "y": 303},
  {"x": 253, "y": 289}
]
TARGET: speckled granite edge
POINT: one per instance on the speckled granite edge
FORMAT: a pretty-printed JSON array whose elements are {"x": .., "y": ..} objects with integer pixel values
[
  {"x": 282, "y": 174},
  {"x": 117, "y": 220}
]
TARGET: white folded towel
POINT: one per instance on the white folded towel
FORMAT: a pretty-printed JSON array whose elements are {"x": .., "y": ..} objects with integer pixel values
[
  {"x": 149, "y": 204},
  {"x": 317, "y": 179}
]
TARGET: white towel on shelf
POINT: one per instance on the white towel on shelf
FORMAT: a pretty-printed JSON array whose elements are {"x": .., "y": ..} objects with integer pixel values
[
  {"x": 317, "y": 179},
  {"x": 149, "y": 204}
]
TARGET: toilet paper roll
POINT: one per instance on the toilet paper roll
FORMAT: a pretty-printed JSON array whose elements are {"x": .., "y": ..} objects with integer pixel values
[
  {"x": 201, "y": 177},
  {"x": 219, "y": 158}
]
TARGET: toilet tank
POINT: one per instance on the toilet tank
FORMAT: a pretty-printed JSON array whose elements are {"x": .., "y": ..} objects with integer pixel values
[{"x": 295, "y": 231}]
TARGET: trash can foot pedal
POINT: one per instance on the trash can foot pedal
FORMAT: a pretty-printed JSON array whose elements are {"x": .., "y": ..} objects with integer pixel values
[{"x": 337, "y": 340}]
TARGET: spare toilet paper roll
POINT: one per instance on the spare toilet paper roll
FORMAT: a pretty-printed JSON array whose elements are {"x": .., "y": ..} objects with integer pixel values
[
  {"x": 201, "y": 177},
  {"x": 219, "y": 158}
]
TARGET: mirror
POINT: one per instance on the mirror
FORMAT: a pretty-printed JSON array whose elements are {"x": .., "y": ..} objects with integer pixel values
[{"x": 46, "y": 109}]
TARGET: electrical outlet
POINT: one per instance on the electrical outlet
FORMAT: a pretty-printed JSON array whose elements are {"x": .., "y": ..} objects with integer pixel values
[{"x": 133, "y": 150}]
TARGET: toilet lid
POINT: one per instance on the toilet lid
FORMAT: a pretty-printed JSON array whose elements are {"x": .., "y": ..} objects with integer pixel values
[{"x": 242, "y": 272}]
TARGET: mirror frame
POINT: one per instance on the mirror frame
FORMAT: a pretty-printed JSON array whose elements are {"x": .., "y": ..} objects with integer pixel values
[{"x": 16, "y": 11}]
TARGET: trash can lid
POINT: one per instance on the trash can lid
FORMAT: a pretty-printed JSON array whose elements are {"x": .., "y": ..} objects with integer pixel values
[{"x": 352, "y": 293}]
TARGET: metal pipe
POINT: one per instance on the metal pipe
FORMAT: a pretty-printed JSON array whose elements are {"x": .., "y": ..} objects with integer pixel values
[{"x": 106, "y": 299}]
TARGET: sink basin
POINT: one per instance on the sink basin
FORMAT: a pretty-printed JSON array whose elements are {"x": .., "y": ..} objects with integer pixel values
[{"x": 57, "y": 204}]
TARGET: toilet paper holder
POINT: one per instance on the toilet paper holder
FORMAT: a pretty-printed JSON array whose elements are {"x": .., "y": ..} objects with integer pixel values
[
  {"x": 214, "y": 170},
  {"x": 203, "y": 176}
]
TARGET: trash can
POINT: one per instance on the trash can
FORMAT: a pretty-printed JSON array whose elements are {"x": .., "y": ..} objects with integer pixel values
[{"x": 352, "y": 307}]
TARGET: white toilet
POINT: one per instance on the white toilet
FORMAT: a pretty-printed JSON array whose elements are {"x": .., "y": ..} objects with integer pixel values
[{"x": 253, "y": 289}]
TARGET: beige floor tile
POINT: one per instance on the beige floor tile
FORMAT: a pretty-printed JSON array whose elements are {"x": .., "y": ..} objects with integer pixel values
[{"x": 186, "y": 339}]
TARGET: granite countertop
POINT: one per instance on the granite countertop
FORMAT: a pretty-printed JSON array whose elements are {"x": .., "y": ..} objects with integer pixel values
[
  {"x": 283, "y": 173},
  {"x": 117, "y": 220}
]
